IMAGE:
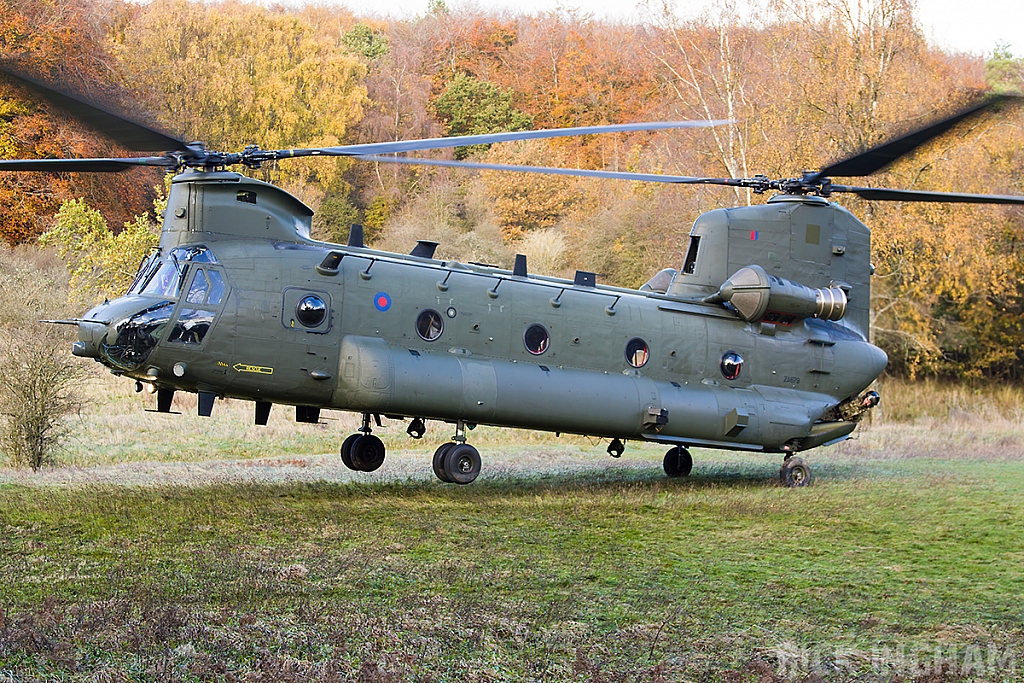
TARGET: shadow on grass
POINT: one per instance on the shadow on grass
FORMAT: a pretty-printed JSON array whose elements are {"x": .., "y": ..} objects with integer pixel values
[
  {"x": 744, "y": 473},
  {"x": 706, "y": 476}
]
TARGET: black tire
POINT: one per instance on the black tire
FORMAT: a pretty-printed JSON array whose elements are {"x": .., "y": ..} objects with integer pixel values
[
  {"x": 367, "y": 453},
  {"x": 346, "y": 450},
  {"x": 677, "y": 462},
  {"x": 462, "y": 464},
  {"x": 795, "y": 472},
  {"x": 439, "y": 456}
]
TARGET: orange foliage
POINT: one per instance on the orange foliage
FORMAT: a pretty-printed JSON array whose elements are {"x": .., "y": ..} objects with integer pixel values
[
  {"x": 59, "y": 42},
  {"x": 564, "y": 70}
]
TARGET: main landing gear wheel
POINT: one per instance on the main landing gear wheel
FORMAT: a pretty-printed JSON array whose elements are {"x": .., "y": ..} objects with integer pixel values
[
  {"x": 462, "y": 464},
  {"x": 366, "y": 452},
  {"x": 439, "y": 458},
  {"x": 677, "y": 462},
  {"x": 795, "y": 472},
  {"x": 346, "y": 451}
]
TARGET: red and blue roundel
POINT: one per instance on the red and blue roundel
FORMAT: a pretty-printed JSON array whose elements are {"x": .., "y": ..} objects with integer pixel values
[{"x": 382, "y": 301}]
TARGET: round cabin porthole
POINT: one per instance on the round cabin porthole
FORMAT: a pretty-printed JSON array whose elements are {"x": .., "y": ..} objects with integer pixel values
[
  {"x": 536, "y": 339},
  {"x": 311, "y": 310},
  {"x": 429, "y": 325},
  {"x": 637, "y": 352},
  {"x": 731, "y": 364}
]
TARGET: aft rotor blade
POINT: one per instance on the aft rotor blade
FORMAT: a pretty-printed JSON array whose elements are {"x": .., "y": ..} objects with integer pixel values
[
  {"x": 877, "y": 158},
  {"x": 487, "y": 139},
  {"x": 551, "y": 170},
  {"x": 124, "y": 131},
  {"x": 84, "y": 165},
  {"x": 887, "y": 195}
]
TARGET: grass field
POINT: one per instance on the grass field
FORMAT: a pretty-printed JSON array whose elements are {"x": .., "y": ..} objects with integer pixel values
[{"x": 260, "y": 558}]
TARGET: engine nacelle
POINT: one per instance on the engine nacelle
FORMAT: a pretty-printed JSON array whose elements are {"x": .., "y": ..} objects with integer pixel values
[{"x": 754, "y": 293}]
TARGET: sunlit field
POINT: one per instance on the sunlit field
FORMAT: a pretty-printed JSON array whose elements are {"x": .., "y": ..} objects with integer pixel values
[{"x": 173, "y": 547}]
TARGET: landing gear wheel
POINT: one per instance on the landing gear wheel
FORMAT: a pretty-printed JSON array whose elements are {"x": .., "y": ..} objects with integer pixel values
[
  {"x": 462, "y": 464},
  {"x": 439, "y": 457},
  {"x": 795, "y": 472},
  {"x": 367, "y": 453},
  {"x": 346, "y": 450},
  {"x": 677, "y": 462}
]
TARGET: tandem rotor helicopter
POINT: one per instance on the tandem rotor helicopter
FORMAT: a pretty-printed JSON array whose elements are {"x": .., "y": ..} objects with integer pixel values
[{"x": 758, "y": 342}]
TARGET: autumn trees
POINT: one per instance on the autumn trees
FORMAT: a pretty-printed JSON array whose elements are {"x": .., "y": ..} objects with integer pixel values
[
  {"x": 233, "y": 74},
  {"x": 804, "y": 84},
  {"x": 840, "y": 79},
  {"x": 64, "y": 43}
]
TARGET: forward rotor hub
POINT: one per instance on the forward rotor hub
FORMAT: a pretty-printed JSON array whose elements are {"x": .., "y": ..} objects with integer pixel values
[
  {"x": 808, "y": 184},
  {"x": 197, "y": 156}
]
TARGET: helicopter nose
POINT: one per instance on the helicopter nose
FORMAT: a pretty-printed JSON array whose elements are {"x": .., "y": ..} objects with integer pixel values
[
  {"x": 91, "y": 329},
  {"x": 83, "y": 350},
  {"x": 102, "y": 328},
  {"x": 89, "y": 336}
]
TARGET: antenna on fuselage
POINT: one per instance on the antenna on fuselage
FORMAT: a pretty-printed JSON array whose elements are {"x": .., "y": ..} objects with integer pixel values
[
  {"x": 424, "y": 249},
  {"x": 519, "y": 270},
  {"x": 355, "y": 236}
]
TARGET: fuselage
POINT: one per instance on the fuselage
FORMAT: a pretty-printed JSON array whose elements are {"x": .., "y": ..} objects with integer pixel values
[{"x": 241, "y": 303}]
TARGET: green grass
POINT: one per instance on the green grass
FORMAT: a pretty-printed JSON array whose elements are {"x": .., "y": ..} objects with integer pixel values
[
  {"x": 592, "y": 575},
  {"x": 558, "y": 564}
]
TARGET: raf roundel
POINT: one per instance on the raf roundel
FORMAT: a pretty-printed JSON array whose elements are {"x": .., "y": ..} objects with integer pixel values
[{"x": 382, "y": 301}]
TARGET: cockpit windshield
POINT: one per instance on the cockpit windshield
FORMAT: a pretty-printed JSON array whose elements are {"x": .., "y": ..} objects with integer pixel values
[
  {"x": 161, "y": 275},
  {"x": 145, "y": 266},
  {"x": 166, "y": 281}
]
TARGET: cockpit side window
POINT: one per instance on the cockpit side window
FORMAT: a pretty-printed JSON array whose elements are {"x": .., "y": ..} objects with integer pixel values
[
  {"x": 197, "y": 292},
  {"x": 191, "y": 326},
  {"x": 199, "y": 308},
  {"x": 207, "y": 287},
  {"x": 216, "y": 288}
]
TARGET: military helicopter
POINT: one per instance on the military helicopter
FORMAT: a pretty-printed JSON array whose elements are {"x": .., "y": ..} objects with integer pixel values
[{"x": 758, "y": 342}]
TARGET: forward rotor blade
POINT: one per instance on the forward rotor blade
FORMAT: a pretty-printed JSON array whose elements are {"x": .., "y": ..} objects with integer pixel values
[
  {"x": 886, "y": 195},
  {"x": 132, "y": 135},
  {"x": 550, "y": 170},
  {"x": 877, "y": 158},
  {"x": 84, "y": 165},
  {"x": 465, "y": 140}
]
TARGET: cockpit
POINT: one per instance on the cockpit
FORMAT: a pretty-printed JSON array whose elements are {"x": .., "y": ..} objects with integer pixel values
[{"x": 174, "y": 297}]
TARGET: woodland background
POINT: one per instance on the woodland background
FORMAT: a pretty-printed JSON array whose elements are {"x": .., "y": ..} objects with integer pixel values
[{"x": 807, "y": 83}]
